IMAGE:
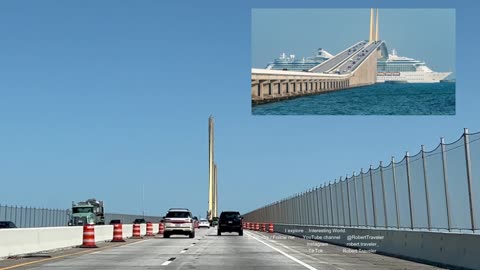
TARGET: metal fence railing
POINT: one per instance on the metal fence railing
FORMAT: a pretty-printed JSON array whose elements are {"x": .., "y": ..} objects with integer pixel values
[
  {"x": 437, "y": 190},
  {"x": 29, "y": 217},
  {"x": 26, "y": 217}
]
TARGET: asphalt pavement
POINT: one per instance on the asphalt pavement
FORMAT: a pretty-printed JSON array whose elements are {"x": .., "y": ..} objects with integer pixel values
[{"x": 253, "y": 250}]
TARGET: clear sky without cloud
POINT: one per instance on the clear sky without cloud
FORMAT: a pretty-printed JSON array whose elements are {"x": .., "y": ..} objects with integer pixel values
[
  {"x": 422, "y": 34},
  {"x": 100, "y": 97}
]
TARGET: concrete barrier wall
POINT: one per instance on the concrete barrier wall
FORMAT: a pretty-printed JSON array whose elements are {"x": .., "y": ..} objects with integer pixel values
[
  {"x": 444, "y": 249},
  {"x": 31, "y": 240}
]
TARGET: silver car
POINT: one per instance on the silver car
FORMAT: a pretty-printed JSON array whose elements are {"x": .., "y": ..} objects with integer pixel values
[
  {"x": 204, "y": 223},
  {"x": 179, "y": 221}
]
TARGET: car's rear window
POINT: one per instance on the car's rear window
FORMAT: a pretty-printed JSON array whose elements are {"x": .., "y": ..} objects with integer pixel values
[
  {"x": 178, "y": 215},
  {"x": 230, "y": 215}
]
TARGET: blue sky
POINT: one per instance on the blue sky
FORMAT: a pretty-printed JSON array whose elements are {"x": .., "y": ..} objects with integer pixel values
[
  {"x": 98, "y": 99},
  {"x": 422, "y": 34}
]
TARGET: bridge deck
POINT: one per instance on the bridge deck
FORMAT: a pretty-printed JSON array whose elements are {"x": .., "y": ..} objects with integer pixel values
[{"x": 254, "y": 250}]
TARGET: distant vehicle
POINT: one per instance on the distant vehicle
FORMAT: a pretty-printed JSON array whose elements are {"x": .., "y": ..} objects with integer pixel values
[
  {"x": 215, "y": 221},
  {"x": 349, "y": 67},
  {"x": 139, "y": 221},
  {"x": 203, "y": 223},
  {"x": 353, "y": 62},
  {"x": 88, "y": 212},
  {"x": 179, "y": 221},
  {"x": 115, "y": 221},
  {"x": 7, "y": 225},
  {"x": 230, "y": 221},
  {"x": 195, "y": 222}
]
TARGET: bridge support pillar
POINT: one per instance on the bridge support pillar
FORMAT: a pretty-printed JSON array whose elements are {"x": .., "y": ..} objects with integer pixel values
[
  {"x": 283, "y": 88},
  {"x": 255, "y": 89},
  {"x": 291, "y": 88}
]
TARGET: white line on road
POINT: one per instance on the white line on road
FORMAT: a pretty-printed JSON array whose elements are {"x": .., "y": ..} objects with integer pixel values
[
  {"x": 283, "y": 253},
  {"x": 183, "y": 251}
]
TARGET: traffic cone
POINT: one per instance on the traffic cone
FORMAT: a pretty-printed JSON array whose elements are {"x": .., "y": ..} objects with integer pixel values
[
  {"x": 117, "y": 233},
  {"x": 161, "y": 228},
  {"x": 149, "y": 229},
  {"x": 88, "y": 236},
  {"x": 136, "y": 232},
  {"x": 270, "y": 228}
]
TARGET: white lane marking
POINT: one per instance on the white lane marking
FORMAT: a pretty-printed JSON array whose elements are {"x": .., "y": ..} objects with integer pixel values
[
  {"x": 167, "y": 263},
  {"x": 284, "y": 254},
  {"x": 183, "y": 251},
  {"x": 301, "y": 253}
]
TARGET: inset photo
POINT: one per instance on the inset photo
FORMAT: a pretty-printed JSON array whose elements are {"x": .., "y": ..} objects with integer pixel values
[{"x": 353, "y": 62}]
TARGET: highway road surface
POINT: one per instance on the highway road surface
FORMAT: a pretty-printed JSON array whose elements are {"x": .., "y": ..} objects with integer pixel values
[{"x": 254, "y": 250}]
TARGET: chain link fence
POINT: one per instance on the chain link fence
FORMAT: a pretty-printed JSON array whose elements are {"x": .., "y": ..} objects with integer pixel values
[
  {"x": 437, "y": 190},
  {"x": 30, "y": 217}
]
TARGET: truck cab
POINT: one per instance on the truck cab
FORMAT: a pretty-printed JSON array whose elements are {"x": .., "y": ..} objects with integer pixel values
[{"x": 88, "y": 212}]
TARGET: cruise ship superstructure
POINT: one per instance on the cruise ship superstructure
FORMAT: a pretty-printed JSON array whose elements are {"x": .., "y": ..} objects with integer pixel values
[
  {"x": 403, "y": 69},
  {"x": 289, "y": 62}
]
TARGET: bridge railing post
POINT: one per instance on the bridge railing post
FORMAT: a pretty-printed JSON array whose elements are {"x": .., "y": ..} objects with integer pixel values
[
  {"x": 355, "y": 194},
  {"x": 319, "y": 218},
  {"x": 331, "y": 204},
  {"x": 395, "y": 193},
  {"x": 466, "y": 140},
  {"x": 384, "y": 195},
  {"x": 342, "y": 199},
  {"x": 425, "y": 178},
  {"x": 336, "y": 203},
  {"x": 445, "y": 183},
  {"x": 325, "y": 205},
  {"x": 365, "y": 216},
  {"x": 313, "y": 209},
  {"x": 373, "y": 198},
  {"x": 348, "y": 202},
  {"x": 409, "y": 185}
]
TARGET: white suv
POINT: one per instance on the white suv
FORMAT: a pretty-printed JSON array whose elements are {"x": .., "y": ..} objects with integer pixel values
[{"x": 179, "y": 221}]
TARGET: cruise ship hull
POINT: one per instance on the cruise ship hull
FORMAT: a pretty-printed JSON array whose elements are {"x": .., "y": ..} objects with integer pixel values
[{"x": 411, "y": 77}]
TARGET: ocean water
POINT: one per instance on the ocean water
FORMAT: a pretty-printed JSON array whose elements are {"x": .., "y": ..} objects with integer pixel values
[{"x": 377, "y": 99}]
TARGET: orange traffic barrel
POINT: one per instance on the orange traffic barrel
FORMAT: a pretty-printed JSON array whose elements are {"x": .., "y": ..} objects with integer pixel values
[
  {"x": 117, "y": 233},
  {"x": 136, "y": 231},
  {"x": 270, "y": 228},
  {"x": 150, "y": 229},
  {"x": 263, "y": 227},
  {"x": 257, "y": 227},
  {"x": 88, "y": 236},
  {"x": 161, "y": 228}
]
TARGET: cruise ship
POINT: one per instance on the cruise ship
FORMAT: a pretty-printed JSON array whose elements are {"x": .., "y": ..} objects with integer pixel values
[
  {"x": 285, "y": 62},
  {"x": 394, "y": 69},
  {"x": 399, "y": 69}
]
